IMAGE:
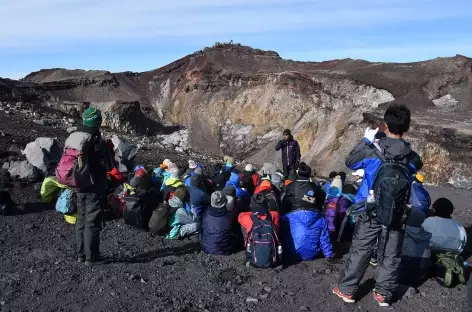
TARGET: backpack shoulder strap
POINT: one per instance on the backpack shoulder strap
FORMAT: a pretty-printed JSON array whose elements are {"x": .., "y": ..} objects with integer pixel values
[{"x": 377, "y": 152}]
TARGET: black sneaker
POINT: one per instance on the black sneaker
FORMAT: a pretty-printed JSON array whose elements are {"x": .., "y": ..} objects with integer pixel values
[
  {"x": 373, "y": 262},
  {"x": 81, "y": 259}
]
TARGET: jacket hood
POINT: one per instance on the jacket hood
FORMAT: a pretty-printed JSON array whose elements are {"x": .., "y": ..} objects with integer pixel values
[
  {"x": 176, "y": 202},
  {"x": 394, "y": 147},
  {"x": 234, "y": 179},
  {"x": 173, "y": 182},
  {"x": 265, "y": 186}
]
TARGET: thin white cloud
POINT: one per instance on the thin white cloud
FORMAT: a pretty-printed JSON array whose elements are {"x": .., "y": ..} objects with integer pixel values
[
  {"x": 55, "y": 23},
  {"x": 402, "y": 52}
]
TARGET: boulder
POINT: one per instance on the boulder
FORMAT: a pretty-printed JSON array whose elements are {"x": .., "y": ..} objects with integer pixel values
[
  {"x": 23, "y": 170},
  {"x": 43, "y": 153},
  {"x": 124, "y": 153}
]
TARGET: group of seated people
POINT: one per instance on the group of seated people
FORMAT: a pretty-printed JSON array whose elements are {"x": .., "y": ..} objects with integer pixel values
[{"x": 306, "y": 215}]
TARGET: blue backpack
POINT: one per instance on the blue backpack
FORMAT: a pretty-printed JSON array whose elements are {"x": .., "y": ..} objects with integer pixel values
[
  {"x": 263, "y": 246},
  {"x": 67, "y": 202}
]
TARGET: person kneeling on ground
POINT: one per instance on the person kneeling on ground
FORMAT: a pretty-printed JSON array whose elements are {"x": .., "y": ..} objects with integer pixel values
[
  {"x": 295, "y": 191},
  {"x": 266, "y": 189},
  {"x": 181, "y": 222},
  {"x": 260, "y": 209},
  {"x": 241, "y": 194},
  {"x": 216, "y": 236},
  {"x": 172, "y": 183},
  {"x": 305, "y": 231},
  {"x": 199, "y": 199},
  {"x": 448, "y": 239}
]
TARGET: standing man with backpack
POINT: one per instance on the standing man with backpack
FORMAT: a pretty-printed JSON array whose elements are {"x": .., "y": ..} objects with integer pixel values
[
  {"x": 389, "y": 163},
  {"x": 290, "y": 152},
  {"x": 91, "y": 196}
]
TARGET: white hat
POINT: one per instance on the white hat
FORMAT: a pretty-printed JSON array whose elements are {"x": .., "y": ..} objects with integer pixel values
[
  {"x": 192, "y": 164},
  {"x": 359, "y": 173},
  {"x": 249, "y": 168}
]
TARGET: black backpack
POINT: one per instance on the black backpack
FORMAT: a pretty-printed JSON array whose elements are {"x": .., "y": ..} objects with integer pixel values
[
  {"x": 138, "y": 209},
  {"x": 263, "y": 245},
  {"x": 158, "y": 224},
  {"x": 392, "y": 190}
]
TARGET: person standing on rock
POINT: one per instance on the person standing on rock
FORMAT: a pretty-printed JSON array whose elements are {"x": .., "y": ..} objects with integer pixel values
[
  {"x": 290, "y": 152},
  {"x": 92, "y": 199}
]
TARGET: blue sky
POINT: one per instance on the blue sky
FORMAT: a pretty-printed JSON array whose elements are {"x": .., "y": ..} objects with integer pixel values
[{"x": 139, "y": 35}]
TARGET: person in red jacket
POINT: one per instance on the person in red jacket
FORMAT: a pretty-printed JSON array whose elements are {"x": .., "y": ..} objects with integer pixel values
[{"x": 260, "y": 208}]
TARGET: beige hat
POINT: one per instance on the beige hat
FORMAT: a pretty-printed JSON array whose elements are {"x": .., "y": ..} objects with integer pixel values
[{"x": 337, "y": 182}]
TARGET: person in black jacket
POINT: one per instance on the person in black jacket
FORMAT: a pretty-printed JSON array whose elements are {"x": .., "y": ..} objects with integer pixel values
[
  {"x": 91, "y": 200},
  {"x": 290, "y": 152},
  {"x": 295, "y": 191}
]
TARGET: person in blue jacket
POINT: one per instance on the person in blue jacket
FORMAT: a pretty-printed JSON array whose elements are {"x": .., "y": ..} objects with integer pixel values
[
  {"x": 368, "y": 228},
  {"x": 305, "y": 232},
  {"x": 216, "y": 237},
  {"x": 199, "y": 199},
  {"x": 420, "y": 198},
  {"x": 242, "y": 194}
]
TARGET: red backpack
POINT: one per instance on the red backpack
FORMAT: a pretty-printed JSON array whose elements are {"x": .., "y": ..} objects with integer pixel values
[{"x": 73, "y": 169}]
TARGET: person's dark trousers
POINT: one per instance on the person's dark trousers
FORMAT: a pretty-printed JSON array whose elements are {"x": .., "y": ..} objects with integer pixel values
[
  {"x": 364, "y": 241},
  {"x": 287, "y": 169},
  {"x": 89, "y": 225}
]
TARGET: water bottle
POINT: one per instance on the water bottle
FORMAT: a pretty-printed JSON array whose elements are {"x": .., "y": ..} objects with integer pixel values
[
  {"x": 279, "y": 250},
  {"x": 248, "y": 247},
  {"x": 370, "y": 202},
  {"x": 371, "y": 197}
]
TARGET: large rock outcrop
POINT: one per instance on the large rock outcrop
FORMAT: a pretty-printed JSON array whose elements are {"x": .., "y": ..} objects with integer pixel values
[{"x": 237, "y": 100}]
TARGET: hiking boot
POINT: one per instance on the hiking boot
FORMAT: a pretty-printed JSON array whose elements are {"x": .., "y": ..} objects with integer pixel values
[
  {"x": 381, "y": 300},
  {"x": 80, "y": 259},
  {"x": 373, "y": 262},
  {"x": 344, "y": 297}
]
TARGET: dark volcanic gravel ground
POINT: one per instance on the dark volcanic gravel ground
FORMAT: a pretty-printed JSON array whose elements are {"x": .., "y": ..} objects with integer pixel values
[{"x": 38, "y": 271}]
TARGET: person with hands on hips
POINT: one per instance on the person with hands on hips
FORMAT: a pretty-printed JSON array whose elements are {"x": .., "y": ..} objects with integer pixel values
[{"x": 290, "y": 152}]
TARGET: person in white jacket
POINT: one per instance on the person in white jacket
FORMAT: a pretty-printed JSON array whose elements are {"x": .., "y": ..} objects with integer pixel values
[{"x": 447, "y": 234}]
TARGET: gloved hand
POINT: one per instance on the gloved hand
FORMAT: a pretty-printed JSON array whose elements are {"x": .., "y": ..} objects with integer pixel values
[
  {"x": 332, "y": 260},
  {"x": 369, "y": 135}
]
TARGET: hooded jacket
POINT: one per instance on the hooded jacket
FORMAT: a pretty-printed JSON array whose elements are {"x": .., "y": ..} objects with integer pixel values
[
  {"x": 363, "y": 157},
  {"x": 216, "y": 231},
  {"x": 179, "y": 218},
  {"x": 235, "y": 180},
  {"x": 293, "y": 197},
  {"x": 266, "y": 189},
  {"x": 199, "y": 200},
  {"x": 290, "y": 152},
  {"x": 306, "y": 235}
]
